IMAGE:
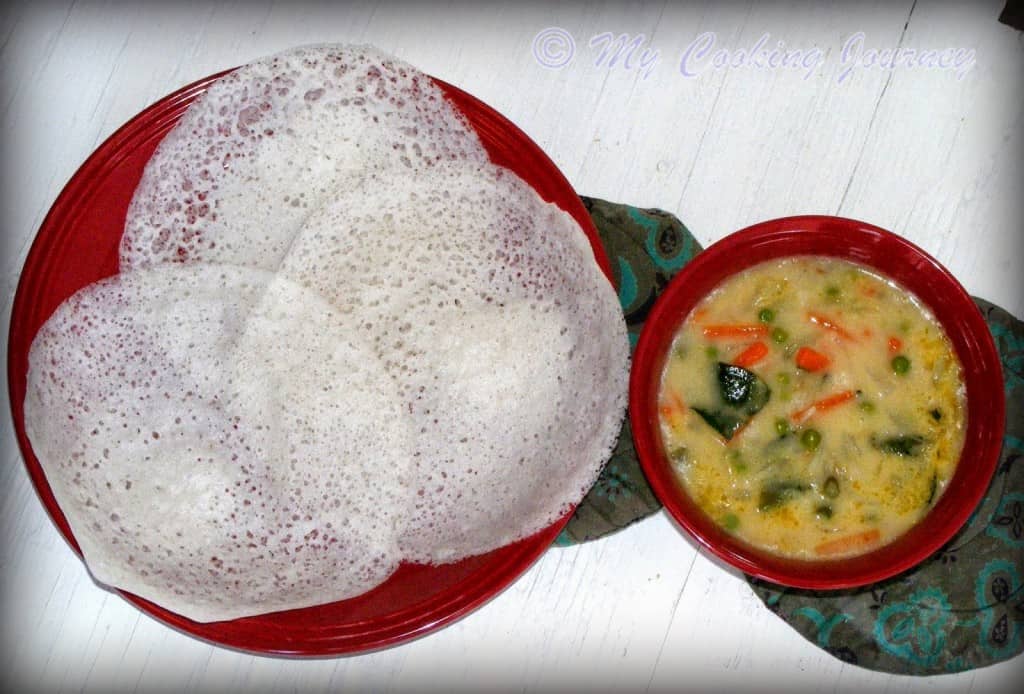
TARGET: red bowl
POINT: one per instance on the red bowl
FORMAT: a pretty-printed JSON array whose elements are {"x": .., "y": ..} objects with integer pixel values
[
  {"x": 893, "y": 257},
  {"x": 77, "y": 244}
]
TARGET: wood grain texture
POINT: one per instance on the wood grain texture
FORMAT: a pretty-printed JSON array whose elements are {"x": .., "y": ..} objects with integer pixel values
[{"x": 920, "y": 151}]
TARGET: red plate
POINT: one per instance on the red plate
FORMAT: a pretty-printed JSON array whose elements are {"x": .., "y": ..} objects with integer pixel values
[{"x": 78, "y": 244}]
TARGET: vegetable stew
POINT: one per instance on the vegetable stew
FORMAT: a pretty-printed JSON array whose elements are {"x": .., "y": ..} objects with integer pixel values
[{"x": 812, "y": 408}]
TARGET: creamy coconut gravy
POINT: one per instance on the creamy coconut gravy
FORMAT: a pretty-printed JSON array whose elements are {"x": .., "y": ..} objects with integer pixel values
[{"x": 812, "y": 408}]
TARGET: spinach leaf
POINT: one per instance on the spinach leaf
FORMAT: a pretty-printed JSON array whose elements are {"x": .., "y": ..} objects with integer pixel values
[
  {"x": 740, "y": 387},
  {"x": 777, "y": 492},
  {"x": 724, "y": 422},
  {"x": 903, "y": 445},
  {"x": 743, "y": 394}
]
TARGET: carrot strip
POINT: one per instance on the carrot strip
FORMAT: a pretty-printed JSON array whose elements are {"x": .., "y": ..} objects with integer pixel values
[
  {"x": 847, "y": 543},
  {"x": 829, "y": 324},
  {"x": 751, "y": 355},
  {"x": 677, "y": 402},
  {"x": 735, "y": 331},
  {"x": 739, "y": 431},
  {"x": 823, "y": 405},
  {"x": 810, "y": 360},
  {"x": 895, "y": 345},
  {"x": 674, "y": 409}
]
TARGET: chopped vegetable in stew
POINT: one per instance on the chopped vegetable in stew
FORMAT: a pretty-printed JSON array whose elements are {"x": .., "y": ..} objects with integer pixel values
[{"x": 856, "y": 436}]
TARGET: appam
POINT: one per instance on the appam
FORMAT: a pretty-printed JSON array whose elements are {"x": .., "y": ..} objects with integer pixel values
[
  {"x": 268, "y": 142},
  {"x": 498, "y": 355},
  {"x": 485, "y": 304},
  {"x": 220, "y": 445}
]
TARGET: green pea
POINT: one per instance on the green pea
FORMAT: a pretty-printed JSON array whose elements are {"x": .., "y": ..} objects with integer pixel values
[
  {"x": 779, "y": 336},
  {"x": 900, "y": 364},
  {"x": 810, "y": 439},
  {"x": 831, "y": 487},
  {"x": 731, "y": 521},
  {"x": 781, "y": 427},
  {"x": 766, "y": 315},
  {"x": 736, "y": 462}
]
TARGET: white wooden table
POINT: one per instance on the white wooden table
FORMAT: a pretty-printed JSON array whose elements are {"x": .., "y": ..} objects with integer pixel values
[{"x": 933, "y": 153}]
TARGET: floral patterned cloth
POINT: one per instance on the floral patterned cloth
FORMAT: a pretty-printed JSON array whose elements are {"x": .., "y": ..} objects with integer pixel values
[
  {"x": 964, "y": 607},
  {"x": 961, "y": 609}
]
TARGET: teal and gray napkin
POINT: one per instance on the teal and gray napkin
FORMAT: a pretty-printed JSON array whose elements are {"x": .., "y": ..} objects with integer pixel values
[{"x": 961, "y": 609}]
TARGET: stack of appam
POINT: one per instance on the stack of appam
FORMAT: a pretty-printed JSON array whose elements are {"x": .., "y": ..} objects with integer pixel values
[{"x": 340, "y": 339}]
